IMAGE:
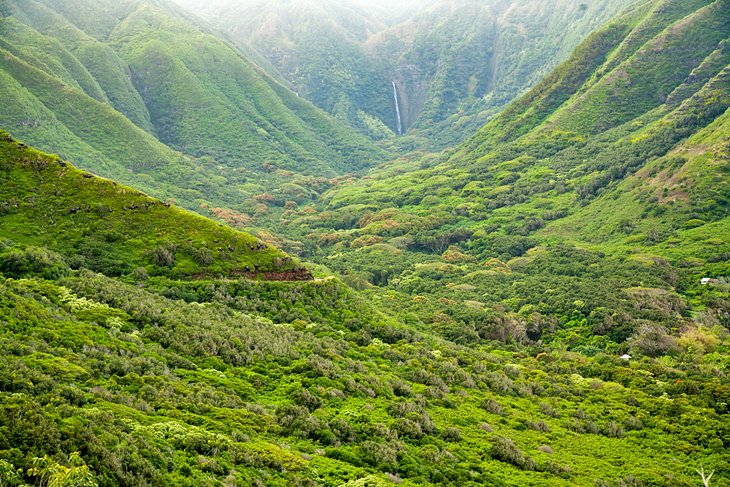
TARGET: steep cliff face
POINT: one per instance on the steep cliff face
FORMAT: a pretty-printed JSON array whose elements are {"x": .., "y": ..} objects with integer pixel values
[
  {"x": 456, "y": 64},
  {"x": 413, "y": 92},
  {"x": 459, "y": 63}
]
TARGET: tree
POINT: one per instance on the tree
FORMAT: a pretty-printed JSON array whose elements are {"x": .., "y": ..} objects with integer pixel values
[
  {"x": 9, "y": 475},
  {"x": 53, "y": 474}
]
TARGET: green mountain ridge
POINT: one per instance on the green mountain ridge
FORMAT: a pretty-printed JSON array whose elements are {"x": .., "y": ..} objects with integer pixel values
[
  {"x": 103, "y": 226},
  {"x": 455, "y": 65},
  {"x": 66, "y": 91},
  {"x": 317, "y": 48}
]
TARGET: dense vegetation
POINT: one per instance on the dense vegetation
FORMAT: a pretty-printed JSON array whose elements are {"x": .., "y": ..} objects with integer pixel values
[
  {"x": 467, "y": 314},
  {"x": 97, "y": 224},
  {"x": 146, "y": 379},
  {"x": 455, "y": 64},
  {"x": 317, "y": 47},
  {"x": 564, "y": 209}
]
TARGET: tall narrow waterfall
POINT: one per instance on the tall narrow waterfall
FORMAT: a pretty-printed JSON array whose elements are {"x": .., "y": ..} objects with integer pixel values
[{"x": 397, "y": 108}]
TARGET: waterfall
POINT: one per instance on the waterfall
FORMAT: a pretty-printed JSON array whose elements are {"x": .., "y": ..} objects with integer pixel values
[{"x": 397, "y": 108}]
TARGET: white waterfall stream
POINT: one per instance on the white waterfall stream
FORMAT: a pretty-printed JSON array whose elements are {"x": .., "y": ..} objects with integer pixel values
[{"x": 397, "y": 108}]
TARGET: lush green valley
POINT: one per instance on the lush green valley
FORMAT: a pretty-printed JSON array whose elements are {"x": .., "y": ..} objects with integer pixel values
[
  {"x": 167, "y": 375},
  {"x": 546, "y": 303},
  {"x": 560, "y": 194}
]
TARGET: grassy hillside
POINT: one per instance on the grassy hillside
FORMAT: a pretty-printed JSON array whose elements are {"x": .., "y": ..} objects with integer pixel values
[
  {"x": 317, "y": 46},
  {"x": 134, "y": 96},
  {"x": 228, "y": 110},
  {"x": 98, "y": 61},
  {"x": 159, "y": 367},
  {"x": 98, "y": 224}
]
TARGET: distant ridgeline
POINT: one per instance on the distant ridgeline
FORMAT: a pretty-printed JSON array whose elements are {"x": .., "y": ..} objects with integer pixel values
[
  {"x": 142, "y": 93},
  {"x": 454, "y": 64}
]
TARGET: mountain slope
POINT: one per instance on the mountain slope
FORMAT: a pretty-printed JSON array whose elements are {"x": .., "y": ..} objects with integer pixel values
[
  {"x": 566, "y": 134},
  {"x": 455, "y": 65},
  {"x": 689, "y": 184},
  {"x": 607, "y": 179},
  {"x": 227, "y": 110},
  {"x": 95, "y": 96},
  {"x": 317, "y": 46},
  {"x": 101, "y": 225}
]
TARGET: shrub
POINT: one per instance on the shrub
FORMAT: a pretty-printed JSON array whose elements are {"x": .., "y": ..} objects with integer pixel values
[
  {"x": 451, "y": 434},
  {"x": 303, "y": 397},
  {"x": 492, "y": 406},
  {"x": 401, "y": 388},
  {"x": 400, "y": 409},
  {"x": 394, "y": 478},
  {"x": 163, "y": 256},
  {"x": 633, "y": 424},
  {"x": 541, "y": 426},
  {"x": 549, "y": 410},
  {"x": 9, "y": 474},
  {"x": 51, "y": 473},
  {"x": 203, "y": 256},
  {"x": 555, "y": 468},
  {"x": 287, "y": 414},
  {"x": 34, "y": 261},
  {"x": 505, "y": 450},
  {"x": 382, "y": 455},
  {"x": 342, "y": 430},
  {"x": 612, "y": 430}
]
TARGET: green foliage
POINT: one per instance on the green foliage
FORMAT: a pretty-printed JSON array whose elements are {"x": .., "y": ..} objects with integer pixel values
[
  {"x": 455, "y": 66},
  {"x": 52, "y": 474},
  {"x": 5, "y": 9},
  {"x": 189, "y": 381},
  {"x": 541, "y": 228},
  {"x": 505, "y": 450},
  {"x": 498, "y": 287},
  {"x": 67, "y": 89},
  {"x": 33, "y": 261},
  {"x": 170, "y": 390},
  {"x": 98, "y": 224}
]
